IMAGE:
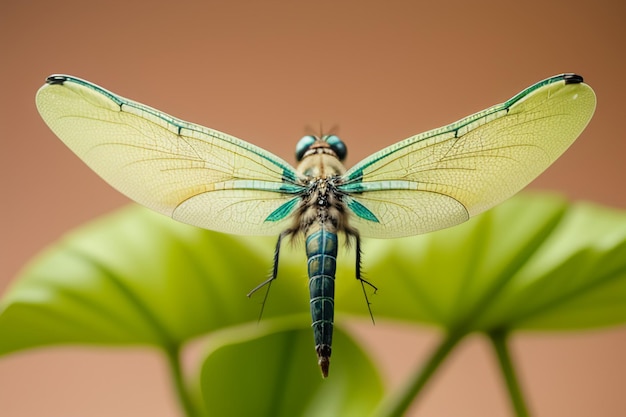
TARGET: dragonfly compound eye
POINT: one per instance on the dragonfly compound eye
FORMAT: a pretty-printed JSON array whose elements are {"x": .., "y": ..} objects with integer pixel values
[
  {"x": 303, "y": 145},
  {"x": 337, "y": 146}
]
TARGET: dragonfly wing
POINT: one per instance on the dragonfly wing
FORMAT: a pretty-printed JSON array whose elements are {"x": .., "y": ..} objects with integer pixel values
[
  {"x": 442, "y": 177},
  {"x": 194, "y": 174}
]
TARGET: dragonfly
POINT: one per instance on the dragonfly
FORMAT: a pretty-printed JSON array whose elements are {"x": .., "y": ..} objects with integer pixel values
[{"x": 209, "y": 179}]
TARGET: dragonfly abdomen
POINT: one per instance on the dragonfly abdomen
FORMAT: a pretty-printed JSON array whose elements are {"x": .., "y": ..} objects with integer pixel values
[{"x": 321, "y": 251}]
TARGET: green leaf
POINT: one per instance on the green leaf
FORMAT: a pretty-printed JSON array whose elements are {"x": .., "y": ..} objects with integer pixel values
[
  {"x": 534, "y": 262},
  {"x": 136, "y": 277},
  {"x": 276, "y": 374}
]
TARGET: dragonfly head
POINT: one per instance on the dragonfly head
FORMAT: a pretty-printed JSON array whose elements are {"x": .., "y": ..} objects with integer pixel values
[{"x": 310, "y": 144}]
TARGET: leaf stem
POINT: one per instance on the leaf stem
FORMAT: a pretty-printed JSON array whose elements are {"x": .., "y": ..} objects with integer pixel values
[
  {"x": 398, "y": 403},
  {"x": 182, "y": 391},
  {"x": 499, "y": 341}
]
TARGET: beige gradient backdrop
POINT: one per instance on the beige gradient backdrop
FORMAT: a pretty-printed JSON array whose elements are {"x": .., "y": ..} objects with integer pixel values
[{"x": 263, "y": 71}]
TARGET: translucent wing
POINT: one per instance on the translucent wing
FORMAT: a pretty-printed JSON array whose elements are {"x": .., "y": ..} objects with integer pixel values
[
  {"x": 442, "y": 177},
  {"x": 193, "y": 174}
]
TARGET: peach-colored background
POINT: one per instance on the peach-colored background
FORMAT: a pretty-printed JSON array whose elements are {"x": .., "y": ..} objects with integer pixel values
[{"x": 263, "y": 71}]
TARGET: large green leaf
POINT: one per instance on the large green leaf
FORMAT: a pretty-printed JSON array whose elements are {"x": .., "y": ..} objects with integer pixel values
[
  {"x": 136, "y": 277},
  {"x": 277, "y": 375},
  {"x": 534, "y": 262}
]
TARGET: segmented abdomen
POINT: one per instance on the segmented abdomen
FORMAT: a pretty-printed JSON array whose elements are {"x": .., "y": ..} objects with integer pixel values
[{"x": 321, "y": 251}]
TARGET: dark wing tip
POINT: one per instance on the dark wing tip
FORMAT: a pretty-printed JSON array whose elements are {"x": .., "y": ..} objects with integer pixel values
[
  {"x": 56, "y": 79},
  {"x": 573, "y": 78}
]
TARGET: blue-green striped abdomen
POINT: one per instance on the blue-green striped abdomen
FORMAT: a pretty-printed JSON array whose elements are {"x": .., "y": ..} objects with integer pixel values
[{"x": 321, "y": 251}]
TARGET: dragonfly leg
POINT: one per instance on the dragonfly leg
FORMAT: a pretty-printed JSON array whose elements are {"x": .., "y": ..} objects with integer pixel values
[
  {"x": 273, "y": 276},
  {"x": 355, "y": 234}
]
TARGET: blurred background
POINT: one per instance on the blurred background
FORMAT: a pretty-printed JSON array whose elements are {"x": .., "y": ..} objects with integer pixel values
[{"x": 264, "y": 72}]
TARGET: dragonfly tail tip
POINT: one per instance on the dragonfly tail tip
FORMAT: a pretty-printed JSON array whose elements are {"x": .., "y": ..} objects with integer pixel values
[
  {"x": 324, "y": 364},
  {"x": 323, "y": 356}
]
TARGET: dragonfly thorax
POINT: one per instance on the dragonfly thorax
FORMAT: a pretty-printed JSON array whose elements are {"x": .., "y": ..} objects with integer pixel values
[
  {"x": 322, "y": 207},
  {"x": 321, "y": 167}
]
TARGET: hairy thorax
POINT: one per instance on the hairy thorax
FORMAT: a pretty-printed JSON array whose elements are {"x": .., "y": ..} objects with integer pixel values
[{"x": 322, "y": 205}]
